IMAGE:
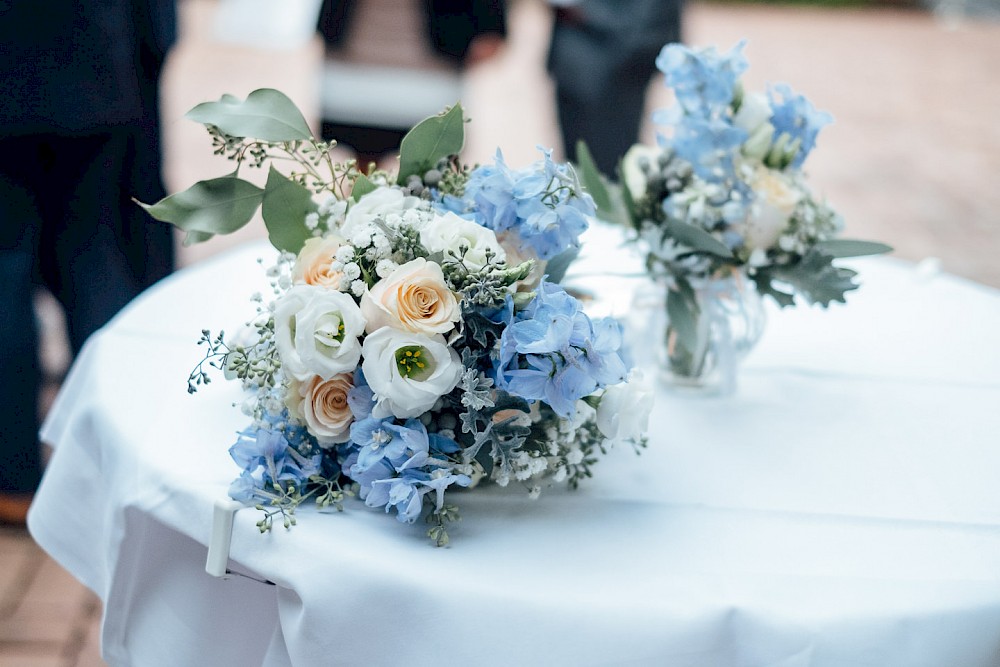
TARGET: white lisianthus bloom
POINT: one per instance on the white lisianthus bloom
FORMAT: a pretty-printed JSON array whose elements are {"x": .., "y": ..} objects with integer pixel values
[
  {"x": 448, "y": 232},
  {"x": 414, "y": 297},
  {"x": 624, "y": 410},
  {"x": 316, "y": 332},
  {"x": 378, "y": 203},
  {"x": 633, "y": 176},
  {"x": 313, "y": 264},
  {"x": 408, "y": 372},
  {"x": 322, "y": 405},
  {"x": 775, "y": 200}
]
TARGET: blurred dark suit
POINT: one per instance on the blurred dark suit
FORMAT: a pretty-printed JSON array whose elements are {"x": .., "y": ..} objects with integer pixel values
[
  {"x": 79, "y": 137},
  {"x": 601, "y": 58}
]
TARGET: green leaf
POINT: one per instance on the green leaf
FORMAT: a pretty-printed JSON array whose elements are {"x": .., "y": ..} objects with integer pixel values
[
  {"x": 266, "y": 114},
  {"x": 607, "y": 196},
  {"x": 695, "y": 238},
  {"x": 838, "y": 248},
  {"x": 815, "y": 278},
  {"x": 362, "y": 186},
  {"x": 285, "y": 207},
  {"x": 216, "y": 206},
  {"x": 430, "y": 140},
  {"x": 592, "y": 178},
  {"x": 683, "y": 313}
]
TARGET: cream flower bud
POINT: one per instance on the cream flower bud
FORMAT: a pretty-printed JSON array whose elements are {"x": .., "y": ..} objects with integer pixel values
[
  {"x": 314, "y": 264},
  {"x": 322, "y": 405},
  {"x": 414, "y": 297}
]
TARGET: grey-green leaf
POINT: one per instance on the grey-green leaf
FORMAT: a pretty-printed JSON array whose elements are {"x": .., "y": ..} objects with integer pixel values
[
  {"x": 695, "y": 238},
  {"x": 285, "y": 207},
  {"x": 216, "y": 206},
  {"x": 430, "y": 140},
  {"x": 816, "y": 278},
  {"x": 266, "y": 114},
  {"x": 838, "y": 248}
]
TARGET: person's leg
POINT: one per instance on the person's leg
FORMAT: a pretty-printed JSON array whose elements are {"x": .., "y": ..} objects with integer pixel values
[
  {"x": 84, "y": 241},
  {"x": 20, "y": 463}
]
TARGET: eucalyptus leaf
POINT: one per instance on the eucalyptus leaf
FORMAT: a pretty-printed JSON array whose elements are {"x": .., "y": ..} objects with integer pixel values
[
  {"x": 285, "y": 207},
  {"x": 267, "y": 114},
  {"x": 362, "y": 186},
  {"x": 429, "y": 141},
  {"x": 216, "y": 206},
  {"x": 838, "y": 248},
  {"x": 683, "y": 313},
  {"x": 695, "y": 238}
]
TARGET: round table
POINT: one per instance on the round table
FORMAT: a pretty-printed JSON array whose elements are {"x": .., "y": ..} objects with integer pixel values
[{"x": 842, "y": 508}]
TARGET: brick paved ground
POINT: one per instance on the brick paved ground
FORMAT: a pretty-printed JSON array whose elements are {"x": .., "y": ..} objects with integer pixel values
[{"x": 913, "y": 159}]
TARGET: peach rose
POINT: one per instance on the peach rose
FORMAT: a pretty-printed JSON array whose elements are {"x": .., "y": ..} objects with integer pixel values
[
  {"x": 414, "y": 297},
  {"x": 312, "y": 266},
  {"x": 322, "y": 404}
]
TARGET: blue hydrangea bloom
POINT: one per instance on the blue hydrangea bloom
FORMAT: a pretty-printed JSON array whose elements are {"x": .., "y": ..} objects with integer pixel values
[
  {"x": 267, "y": 459},
  {"x": 402, "y": 446},
  {"x": 703, "y": 80},
  {"x": 544, "y": 204},
  {"x": 552, "y": 351},
  {"x": 795, "y": 116}
]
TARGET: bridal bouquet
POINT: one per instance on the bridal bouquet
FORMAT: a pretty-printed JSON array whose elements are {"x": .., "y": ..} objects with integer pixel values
[
  {"x": 722, "y": 200},
  {"x": 416, "y": 341}
]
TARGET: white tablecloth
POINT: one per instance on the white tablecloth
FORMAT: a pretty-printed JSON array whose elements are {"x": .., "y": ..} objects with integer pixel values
[{"x": 842, "y": 509}]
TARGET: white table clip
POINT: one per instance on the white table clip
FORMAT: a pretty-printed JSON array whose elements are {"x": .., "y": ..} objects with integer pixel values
[{"x": 217, "y": 563}]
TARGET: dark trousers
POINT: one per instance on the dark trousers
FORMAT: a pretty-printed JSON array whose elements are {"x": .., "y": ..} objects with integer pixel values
[{"x": 66, "y": 223}]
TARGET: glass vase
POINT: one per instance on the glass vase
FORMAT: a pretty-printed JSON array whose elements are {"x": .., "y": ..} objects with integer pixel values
[{"x": 730, "y": 322}]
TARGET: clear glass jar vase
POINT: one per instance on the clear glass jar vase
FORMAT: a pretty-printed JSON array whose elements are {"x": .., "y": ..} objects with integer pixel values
[{"x": 730, "y": 322}]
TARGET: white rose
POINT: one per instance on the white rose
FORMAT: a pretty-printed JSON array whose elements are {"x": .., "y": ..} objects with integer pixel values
[
  {"x": 322, "y": 405},
  {"x": 775, "y": 200},
  {"x": 378, "y": 203},
  {"x": 624, "y": 409},
  {"x": 408, "y": 372},
  {"x": 449, "y": 231},
  {"x": 316, "y": 332},
  {"x": 632, "y": 174},
  {"x": 312, "y": 266},
  {"x": 414, "y": 297}
]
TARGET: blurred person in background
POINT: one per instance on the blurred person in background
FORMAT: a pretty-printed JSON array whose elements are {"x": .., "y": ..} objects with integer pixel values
[
  {"x": 391, "y": 63},
  {"x": 601, "y": 59},
  {"x": 79, "y": 137}
]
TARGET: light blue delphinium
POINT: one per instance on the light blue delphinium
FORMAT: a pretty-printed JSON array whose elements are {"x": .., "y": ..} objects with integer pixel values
[
  {"x": 704, "y": 83},
  {"x": 267, "y": 459},
  {"x": 703, "y": 80},
  {"x": 552, "y": 351},
  {"x": 795, "y": 116},
  {"x": 544, "y": 204}
]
